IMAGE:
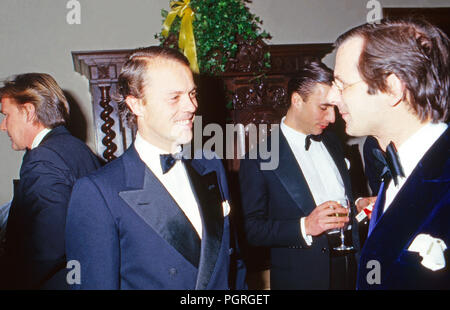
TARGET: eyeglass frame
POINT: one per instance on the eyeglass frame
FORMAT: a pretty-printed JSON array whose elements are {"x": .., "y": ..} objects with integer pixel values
[{"x": 341, "y": 90}]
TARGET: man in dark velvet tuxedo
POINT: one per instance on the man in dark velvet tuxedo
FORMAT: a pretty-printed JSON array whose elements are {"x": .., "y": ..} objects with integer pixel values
[
  {"x": 35, "y": 112},
  {"x": 291, "y": 209},
  {"x": 151, "y": 219},
  {"x": 392, "y": 81}
]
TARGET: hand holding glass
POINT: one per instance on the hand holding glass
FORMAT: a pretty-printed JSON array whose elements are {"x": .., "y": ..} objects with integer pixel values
[{"x": 344, "y": 203}]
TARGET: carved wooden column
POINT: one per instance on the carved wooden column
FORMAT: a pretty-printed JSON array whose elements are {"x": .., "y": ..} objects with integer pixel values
[
  {"x": 106, "y": 128},
  {"x": 102, "y": 69}
]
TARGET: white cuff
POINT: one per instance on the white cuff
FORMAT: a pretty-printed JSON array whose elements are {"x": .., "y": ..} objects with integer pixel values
[{"x": 308, "y": 238}]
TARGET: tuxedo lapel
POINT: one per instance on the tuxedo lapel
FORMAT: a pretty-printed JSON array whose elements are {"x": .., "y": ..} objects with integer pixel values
[
  {"x": 292, "y": 178},
  {"x": 339, "y": 161},
  {"x": 151, "y": 201},
  {"x": 207, "y": 192},
  {"x": 412, "y": 205}
]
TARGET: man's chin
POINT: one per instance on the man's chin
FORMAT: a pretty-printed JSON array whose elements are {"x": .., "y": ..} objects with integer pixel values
[
  {"x": 318, "y": 131},
  {"x": 353, "y": 132},
  {"x": 184, "y": 138},
  {"x": 17, "y": 148},
  {"x": 348, "y": 130}
]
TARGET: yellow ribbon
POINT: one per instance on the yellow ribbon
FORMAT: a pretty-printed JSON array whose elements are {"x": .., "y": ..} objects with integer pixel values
[{"x": 186, "y": 41}]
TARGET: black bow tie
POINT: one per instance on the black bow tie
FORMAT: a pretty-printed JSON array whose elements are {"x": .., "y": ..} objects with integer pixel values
[
  {"x": 311, "y": 137},
  {"x": 392, "y": 168},
  {"x": 168, "y": 160}
]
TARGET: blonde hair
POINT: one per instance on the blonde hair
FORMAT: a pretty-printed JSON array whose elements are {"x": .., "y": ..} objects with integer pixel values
[{"x": 41, "y": 90}]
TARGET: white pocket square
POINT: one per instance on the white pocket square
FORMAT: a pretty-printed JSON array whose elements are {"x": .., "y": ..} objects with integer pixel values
[
  {"x": 226, "y": 208},
  {"x": 431, "y": 249}
]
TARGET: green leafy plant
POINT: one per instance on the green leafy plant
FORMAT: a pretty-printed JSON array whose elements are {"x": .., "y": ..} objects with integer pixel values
[{"x": 220, "y": 26}]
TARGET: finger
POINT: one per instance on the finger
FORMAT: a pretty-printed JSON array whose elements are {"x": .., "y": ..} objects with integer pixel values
[
  {"x": 333, "y": 211},
  {"x": 324, "y": 209},
  {"x": 364, "y": 202},
  {"x": 331, "y": 205},
  {"x": 372, "y": 199},
  {"x": 328, "y": 205},
  {"x": 334, "y": 220},
  {"x": 333, "y": 226},
  {"x": 359, "y": 207}
]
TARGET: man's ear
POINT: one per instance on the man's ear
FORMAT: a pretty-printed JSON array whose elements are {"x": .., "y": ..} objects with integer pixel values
[
  {"x": 134, "y": 104},
  {"x": 30, "y": 111},
  {"x": 396, "y": 89},
  {"x": 296, "y": 100}
]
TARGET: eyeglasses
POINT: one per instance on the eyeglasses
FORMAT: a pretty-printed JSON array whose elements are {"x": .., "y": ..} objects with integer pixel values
[{"x": 342, "y": 88}]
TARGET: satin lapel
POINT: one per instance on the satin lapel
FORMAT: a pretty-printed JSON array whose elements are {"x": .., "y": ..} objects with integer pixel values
[
  {"x": 207, "y": 192},
  {"x": 292, "y": 178},
  {"x": 339, "y": 161},
  {"x": 412, "y": 205},
  {"x": 156, "y": 207}
]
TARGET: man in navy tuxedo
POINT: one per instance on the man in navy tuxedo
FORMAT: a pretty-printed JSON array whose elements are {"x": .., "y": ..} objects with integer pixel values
[
  {"x": 392, "y": 81},
  {"x": 291, "y": 209},
  {"x": 151, "y": 219},
  {"x": 35, "y": 112}
]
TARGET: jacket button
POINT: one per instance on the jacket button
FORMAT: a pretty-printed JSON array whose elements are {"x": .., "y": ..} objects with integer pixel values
[
  {"x": 230, "y": 251},
  {"x": 172, "y": 271},
  {"x": 324, "y": 250}
]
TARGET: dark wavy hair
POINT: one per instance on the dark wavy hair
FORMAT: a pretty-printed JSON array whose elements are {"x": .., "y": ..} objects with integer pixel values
[
  {"x": 132, "y": 82},
  {"x": 307, "y": 77},
  {"x": 416, "y": 52},
  {"x": 41, "y": 90}
]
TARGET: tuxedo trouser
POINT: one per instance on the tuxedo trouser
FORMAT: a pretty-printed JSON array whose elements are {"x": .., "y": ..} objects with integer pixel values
[
  {"x": 343, "y": 272},
  {"x": 343, "y": 266}
]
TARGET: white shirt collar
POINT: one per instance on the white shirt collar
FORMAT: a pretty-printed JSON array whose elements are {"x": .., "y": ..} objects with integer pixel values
[
  {"x": 415, "y": 147},
  {"x": 149, "y": 153},
  {"x": 38, "y": 139},
  {"x": 291, "y": 132}
]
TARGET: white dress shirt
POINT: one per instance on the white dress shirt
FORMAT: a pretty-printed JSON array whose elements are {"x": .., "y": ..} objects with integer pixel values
[
  {"x": 318, "y": 167},
  {"x": 411, "y": 152},
  {"x": 176, "y": 180},
  {"x": 38, "y": 139}
]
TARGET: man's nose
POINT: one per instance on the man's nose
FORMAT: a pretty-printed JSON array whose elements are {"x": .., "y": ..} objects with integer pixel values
[
  {"x": 334, "y": 96},
  {"x": 190, "y": 104},
  {"x": 331, "y": 116},
  {"x": 3, "y": 124}
]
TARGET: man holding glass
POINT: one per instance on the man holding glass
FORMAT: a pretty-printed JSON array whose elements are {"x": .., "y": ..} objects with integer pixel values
[{"x": 292, "y": 209}]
